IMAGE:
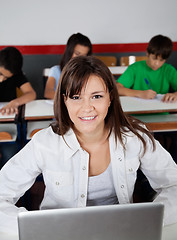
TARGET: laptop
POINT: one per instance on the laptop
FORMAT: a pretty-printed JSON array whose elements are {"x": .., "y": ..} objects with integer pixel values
[{"x": 113, "y": 222}]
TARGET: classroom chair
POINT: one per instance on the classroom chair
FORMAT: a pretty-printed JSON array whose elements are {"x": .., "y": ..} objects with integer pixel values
[
  {"x": 128, "y": 60},
  {"x": 108, "y": 60},
  {"x": 35, "y": 126},
  {"x": 8, "y": 132},
  {"x": 9, "y": 135}
]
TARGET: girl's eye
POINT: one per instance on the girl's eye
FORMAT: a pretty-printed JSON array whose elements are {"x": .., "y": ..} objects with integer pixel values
[
  {"x": 97, "y": 96},
  {"x": 75, "y": 97}
]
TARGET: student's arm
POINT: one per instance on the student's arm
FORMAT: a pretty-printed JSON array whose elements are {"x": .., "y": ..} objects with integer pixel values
[
  {"x": 146, "y": 94},
  {"x": 28, "y": 95},
  {"x": 161, "y": 172},
  {"x": 52, "y": 81},
  {"x": 16, "y": 177},
  {"x": 50, "y": 88}
]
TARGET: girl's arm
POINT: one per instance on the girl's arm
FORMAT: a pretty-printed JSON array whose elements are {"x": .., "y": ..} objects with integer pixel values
[
  {"x": 16, "y": 177},
  {"x": 50, "y": 88},
  {"x": 161, "y": 171}
]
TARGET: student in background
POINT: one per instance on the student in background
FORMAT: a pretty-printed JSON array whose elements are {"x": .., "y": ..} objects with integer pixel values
[
  {"x": 146, "y": 79},
  {"x": 11, "y": 78},
  {"x": 91, "y": 154},
  {"x": 77, "y": 45}
]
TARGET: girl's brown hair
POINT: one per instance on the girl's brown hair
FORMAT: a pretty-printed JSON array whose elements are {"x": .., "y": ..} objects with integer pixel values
[{"x": 73, "y": 77}]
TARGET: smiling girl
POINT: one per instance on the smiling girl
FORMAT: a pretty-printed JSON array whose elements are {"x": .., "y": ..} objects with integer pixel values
[{"x": 91, "y": 154}]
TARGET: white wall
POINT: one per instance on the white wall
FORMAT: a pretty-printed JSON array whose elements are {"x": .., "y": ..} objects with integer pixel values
[{"x": 40, "y": 22}]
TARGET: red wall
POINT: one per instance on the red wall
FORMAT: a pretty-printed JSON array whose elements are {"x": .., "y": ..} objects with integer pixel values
[{"x": 97, "y": 48}]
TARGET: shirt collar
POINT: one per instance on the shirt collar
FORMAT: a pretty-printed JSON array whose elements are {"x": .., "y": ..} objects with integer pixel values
[{"x": 71, "y": 143}]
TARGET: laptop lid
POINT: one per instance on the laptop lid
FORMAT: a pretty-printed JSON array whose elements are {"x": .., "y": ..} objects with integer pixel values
[{"x": 116, "y": 222}]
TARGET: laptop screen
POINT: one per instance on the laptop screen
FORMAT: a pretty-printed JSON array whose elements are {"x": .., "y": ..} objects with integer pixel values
[{"x": 116, "y": 222}]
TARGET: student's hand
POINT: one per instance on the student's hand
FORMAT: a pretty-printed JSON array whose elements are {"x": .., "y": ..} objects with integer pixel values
[
  {"x": 147, "y": 94},
  {"x": 170, "y": 97},
  {"x": 10, "y": 108}
]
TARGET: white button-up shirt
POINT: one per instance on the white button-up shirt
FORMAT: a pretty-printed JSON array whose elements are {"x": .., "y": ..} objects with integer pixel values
[{"x": 65, "y": 168}]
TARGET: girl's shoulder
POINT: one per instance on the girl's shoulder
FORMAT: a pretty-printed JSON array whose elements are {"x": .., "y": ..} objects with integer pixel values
[{"x": 55, "y": 69}]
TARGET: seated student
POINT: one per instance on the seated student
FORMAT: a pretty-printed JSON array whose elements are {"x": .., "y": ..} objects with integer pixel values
[
  {"x": 146, "y": 79},
  {"x": 11, "y": 78},
  {"x": 155, "y": 71},
  {"x": 77, "y": 45},
  {"x": 91, "y": 154}
]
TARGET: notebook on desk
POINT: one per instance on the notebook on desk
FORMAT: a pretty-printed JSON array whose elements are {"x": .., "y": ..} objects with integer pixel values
[{"x": 115, "y": 222}]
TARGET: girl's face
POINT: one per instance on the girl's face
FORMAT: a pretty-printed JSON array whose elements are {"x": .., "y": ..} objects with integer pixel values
[
  {"x": 4, "y": 74},
  {"x": 80, "y": 50},
  {"x": 88, "y": 109}
]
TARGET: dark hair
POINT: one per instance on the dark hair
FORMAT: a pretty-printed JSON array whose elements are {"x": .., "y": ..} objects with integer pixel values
[
  {"x": 73, "y": 77},
  {"x": 11, "y": 59},
  {"x": 160, "y": 46},
  {"x": 74, "y": 39}
]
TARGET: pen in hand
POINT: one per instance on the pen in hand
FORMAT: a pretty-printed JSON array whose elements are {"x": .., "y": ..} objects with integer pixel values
[
  {"x": 148, "y": 83},
  {"x": 150, "y": 94}
]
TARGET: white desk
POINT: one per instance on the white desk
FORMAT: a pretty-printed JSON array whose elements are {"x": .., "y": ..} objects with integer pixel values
[
  {"x": 155, "y": 123},
  {"x": 6, "y": 118},
  {"x": 38, "y": 114},
  {"x": 115, "y": 70},
  {"x": 160, "y": 123},
  {"x": 134, "y": 105},
  {"x": 169, "y": 233},
  {"x": 39, "y": 110}
]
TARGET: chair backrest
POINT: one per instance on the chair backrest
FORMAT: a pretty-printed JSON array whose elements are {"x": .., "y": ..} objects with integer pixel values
[
  {"x": 5, "y": 136},
  {"x": 108, "y": 60},
  {"x": 128, "y": 60},
  {"x": 8, "y": 132}
]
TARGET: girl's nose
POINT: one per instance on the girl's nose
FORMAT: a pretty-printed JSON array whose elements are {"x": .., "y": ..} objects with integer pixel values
[{"x": 87, "y": 106}]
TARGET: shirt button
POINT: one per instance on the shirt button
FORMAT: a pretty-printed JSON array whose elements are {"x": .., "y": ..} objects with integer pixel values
[
  {"x": 82, "y": 196},
  {"x": 83, "y": 168},
  {"x": 57, "y": 183},
  {"x": 130, "y": 170},
  {"x": 122, "y": 186},
  {"x": 120, "y": 159}
]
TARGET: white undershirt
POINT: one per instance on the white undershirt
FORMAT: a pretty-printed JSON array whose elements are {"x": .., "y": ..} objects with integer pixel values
[{"x": 101, "y": 189}]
